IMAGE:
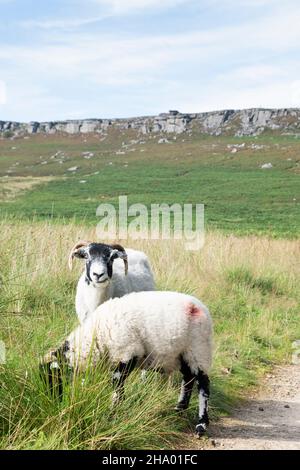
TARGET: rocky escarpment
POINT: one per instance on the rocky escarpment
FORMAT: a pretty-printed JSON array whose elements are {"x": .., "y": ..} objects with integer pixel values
[{"x": 239, "y": 122}]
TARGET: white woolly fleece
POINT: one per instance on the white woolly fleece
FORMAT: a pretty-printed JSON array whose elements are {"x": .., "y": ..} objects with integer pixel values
[{"x": 156, "y": 327}]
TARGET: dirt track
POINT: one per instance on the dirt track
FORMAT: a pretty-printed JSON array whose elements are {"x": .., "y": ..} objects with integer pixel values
[{"x": 269, "y": 420}]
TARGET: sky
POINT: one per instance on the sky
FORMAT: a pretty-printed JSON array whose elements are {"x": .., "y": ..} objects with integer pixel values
[{"x": 76, "y": 59}]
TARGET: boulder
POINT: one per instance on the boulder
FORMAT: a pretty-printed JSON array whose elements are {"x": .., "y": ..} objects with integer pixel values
[{"x": 266, "y": 166}]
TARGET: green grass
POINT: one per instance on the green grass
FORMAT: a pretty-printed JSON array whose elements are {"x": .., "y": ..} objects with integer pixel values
[
  {"x": 84, "y": 419},
  {"x": 254, "y": 301},
  {"x": 250, "y": 283},
  {"x": 238, "y": 196}
]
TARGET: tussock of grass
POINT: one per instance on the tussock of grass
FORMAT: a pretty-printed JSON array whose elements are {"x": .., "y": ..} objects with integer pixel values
[
  {"x": 33, "y": 419},
  {"x": 266, "y": 284},
  {"x": 250, "y": 284}
]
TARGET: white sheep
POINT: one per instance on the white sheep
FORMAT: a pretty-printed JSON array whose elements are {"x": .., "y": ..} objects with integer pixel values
[
  {"x": 104, "y": 276},
  {"x": 156, "y": 330}
]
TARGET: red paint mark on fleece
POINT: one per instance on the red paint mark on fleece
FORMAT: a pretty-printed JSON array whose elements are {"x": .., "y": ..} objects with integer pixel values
[{"x": 193, "y": 311}]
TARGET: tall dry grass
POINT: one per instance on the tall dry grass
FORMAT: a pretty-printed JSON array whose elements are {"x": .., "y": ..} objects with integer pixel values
[{"x": 250, "y": 284}]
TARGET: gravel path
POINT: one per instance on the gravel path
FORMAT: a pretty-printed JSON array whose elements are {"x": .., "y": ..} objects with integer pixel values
[{"x": 270, "y": 419}]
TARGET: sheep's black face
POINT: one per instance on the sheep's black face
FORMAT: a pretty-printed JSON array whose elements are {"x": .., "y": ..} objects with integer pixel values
[{"x": 99, "y": 262}]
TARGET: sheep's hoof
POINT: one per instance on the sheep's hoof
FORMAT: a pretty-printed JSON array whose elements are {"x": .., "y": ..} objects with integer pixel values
[
  {"x": 180, "y": 407},
  {"x": 117, "y": 399},
  {"x": 201, "y": 429},
  {"x": 144, "y": 375}
]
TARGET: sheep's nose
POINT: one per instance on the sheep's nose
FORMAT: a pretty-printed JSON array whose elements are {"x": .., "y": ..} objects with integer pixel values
[{"x": 98, "y": 276}]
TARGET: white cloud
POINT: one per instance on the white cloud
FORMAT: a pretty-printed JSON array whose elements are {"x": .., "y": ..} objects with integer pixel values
[
  {"x": 109, "y": 8},
  {"x": 63, "y": 24},
  {"x": 3, "y": 95},
  {"x": 125, "y": 6},
  {"x": 242, "y": 65},
  {"x": 249, "y": 75},
  {"x": 118, "y": 60},
  {"x": 246, "y": 3}
]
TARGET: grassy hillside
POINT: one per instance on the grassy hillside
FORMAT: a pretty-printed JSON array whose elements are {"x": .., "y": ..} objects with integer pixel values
[
  {"x": 238, "y": 195},
  {"x": 251, "y": 285},
  {"x": 250, "y": 282}
]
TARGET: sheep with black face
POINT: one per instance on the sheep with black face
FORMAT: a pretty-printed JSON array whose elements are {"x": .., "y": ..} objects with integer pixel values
[{"x": 110, "y": 271}]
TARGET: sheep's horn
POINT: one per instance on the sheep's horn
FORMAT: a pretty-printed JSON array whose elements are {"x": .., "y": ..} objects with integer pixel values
[
  {"x": 74, "y": 250},
  {"x": 123, "y": 256}
]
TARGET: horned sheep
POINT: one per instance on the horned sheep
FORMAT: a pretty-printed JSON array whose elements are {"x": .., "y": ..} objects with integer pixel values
[{"x": 106, "y": 277}]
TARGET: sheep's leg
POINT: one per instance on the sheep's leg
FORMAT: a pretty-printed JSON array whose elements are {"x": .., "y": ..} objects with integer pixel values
[
  {"x": 51, "y": 374},
  {"x": 120, "y": 374},
  {"x": 186, "y": 386},
  {"x": 203, "y": 391}
]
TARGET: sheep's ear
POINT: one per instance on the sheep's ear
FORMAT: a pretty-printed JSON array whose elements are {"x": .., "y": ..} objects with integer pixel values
[
  {"x": 119, "y": 252},
  {"x": 81, "y": 253},
  {"x": 78, "y": 251}
]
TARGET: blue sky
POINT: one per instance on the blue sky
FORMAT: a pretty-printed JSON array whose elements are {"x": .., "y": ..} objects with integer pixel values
[{"x": 70, "y": 59}]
